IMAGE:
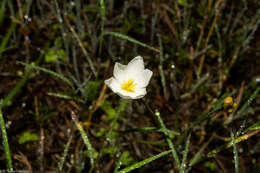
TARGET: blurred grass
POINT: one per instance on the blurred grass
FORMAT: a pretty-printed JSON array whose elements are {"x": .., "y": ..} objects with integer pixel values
[{"x": 6, "y": 39}]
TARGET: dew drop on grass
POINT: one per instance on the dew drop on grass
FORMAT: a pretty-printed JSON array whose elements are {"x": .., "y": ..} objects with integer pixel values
[
  {"x": 27, "y": 38},
  {"x": 157, "y": 113},
  {"x": 108, "y": 140},
  {"x": 23, "y": 104},
  {"x": 27, "y": 18},
  {"x": 68, "y": 132},
  {"x": 73, "y": 118},
  {"x": 8, "y": 124},
  {"x": 60, "y": 20},
  {"x": 117, "y": 155},
  {"x": 184, "y": 38},
  {"x": 119, "y": 164},
  {"x": 240, "y": 150},
  {"x": 72, "y": 3}
]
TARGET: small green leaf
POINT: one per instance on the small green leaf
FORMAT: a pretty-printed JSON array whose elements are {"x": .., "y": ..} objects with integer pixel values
[
  {"x": 116, "y": 34},
  {"x": 110, "y": 150},
  {"x": 101, "y": 132},
  {"x": 33, "y": 66},
  {"x": 28, "y": 137},
  {"x": 61, "y": 54},
  {"x": 126, "y": 159},
  {"x": 107, "y": 107},
  {"x": 50, "y": 56},
  {"x": 182, "y": 3},
  {"x": 211, "y": 166}
]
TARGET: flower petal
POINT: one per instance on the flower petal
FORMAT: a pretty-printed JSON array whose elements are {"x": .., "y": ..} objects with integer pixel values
[
  {"x": 119, "y": 71},
  {"x": 113, "y": 84},
  {"x": 135, "y": 66},
  {"x": 139, "y": 93},
  {"x": 143, "y": 79}
]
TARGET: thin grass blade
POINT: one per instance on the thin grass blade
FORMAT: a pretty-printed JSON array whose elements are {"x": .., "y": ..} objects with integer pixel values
[
  {"x": 103, "y": 18},
  {"x": 214, "y": 152},
  {"x": 2, "y": 11},
  {"x": 17, "y": 87},
  {"x": 47, "y": 71},
  {"x": 5, "y": 143},
  {"x": 184, "y": 159},
  {"x": 6, "y": 38},
  {"x": 65, "y": 153},
  {"x": 235, "y": 153},
  {"x": 197, "y": 157},
  {"x": 144, "y": 162},
  {"x": 64, "y": 96},
  {"x": 255, "y": 126},
  {"x": 84, "y": 137},
  {"x": 116, "y": 34},
  {"x": 165, "y": 131}
]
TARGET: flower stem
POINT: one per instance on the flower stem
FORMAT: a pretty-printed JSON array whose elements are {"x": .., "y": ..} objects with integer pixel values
[{"x": 165, "y": 131}]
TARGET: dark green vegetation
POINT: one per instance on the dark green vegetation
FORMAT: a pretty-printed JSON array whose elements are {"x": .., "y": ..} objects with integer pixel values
[{"x": 56, "y": 114}]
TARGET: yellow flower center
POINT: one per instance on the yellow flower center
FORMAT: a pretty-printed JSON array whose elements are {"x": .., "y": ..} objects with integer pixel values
[{"x": 129, "y": 86}]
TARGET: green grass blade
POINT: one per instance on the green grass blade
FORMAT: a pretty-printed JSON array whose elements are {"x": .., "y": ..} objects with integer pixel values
[
  {"x": 183, "y": 164},
  {"x": 64, "y": 96},
  {"x": 214, "y": 152},
  {"x": 174, "y": 153},
  {"x": 199, "y": 83},
  {"x": 6, "y": 38},
  {"x": 84, "y": 137},
  {"x": 235, "y": 153},
  {"x": 165, "y": 131},
  {"x": 144, "y": 162},
  {"x": 47, "y": 71},
  {"x": 2, "y": 11},
  {"x": 255, "y": 126},
  {"x": 131, "y": 40},
  {"x": 103, "y": 18},
  {"x": 160, "y": 67},
  {"x": 5, "y": 143},
  {"x": 198, "y": 156},
  {"x": 65, "y": 153},
  {"x": 155, "y": 143},
  {"x": 118, "y": 163},
  {"x": 17, "y": 87},
  {"x": 149, "y": 129},
  {"x": 85, "y": 52}
]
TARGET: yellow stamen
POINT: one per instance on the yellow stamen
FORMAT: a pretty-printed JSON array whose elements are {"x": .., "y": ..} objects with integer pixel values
[{"x": 129, "y": 86}]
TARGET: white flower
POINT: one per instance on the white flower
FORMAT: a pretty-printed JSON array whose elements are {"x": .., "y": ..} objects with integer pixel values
[{"x": 130, "y": 81}]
